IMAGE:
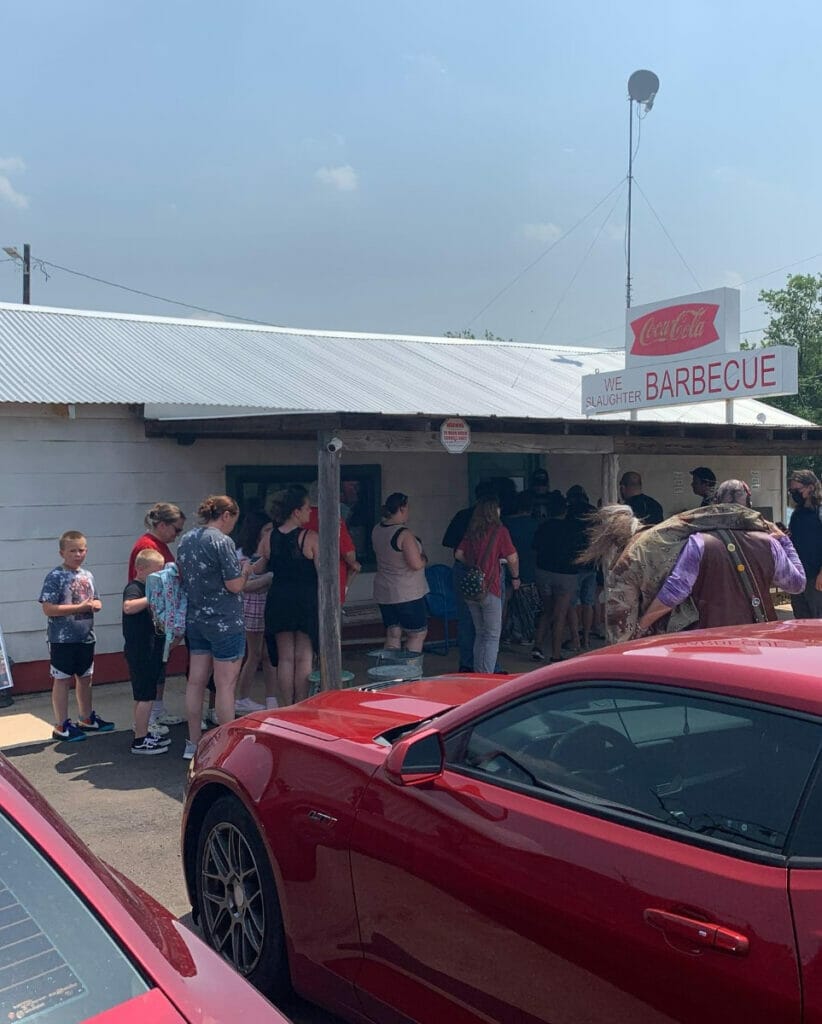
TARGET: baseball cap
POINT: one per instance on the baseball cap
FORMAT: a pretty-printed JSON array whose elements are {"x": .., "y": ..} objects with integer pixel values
[{"x": 703, "y": 473}]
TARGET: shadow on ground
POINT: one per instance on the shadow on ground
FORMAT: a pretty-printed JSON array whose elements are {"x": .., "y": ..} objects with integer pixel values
[
  {"x": 105, "y": 762},
  {"x": 295, "y": 1008}
]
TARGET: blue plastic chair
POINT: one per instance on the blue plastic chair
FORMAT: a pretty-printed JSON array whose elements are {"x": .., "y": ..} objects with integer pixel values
[{"x": 442, "y": 604}]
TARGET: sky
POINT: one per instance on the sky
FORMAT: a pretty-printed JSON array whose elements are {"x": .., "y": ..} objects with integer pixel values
[{"x": 395, "y": 167}]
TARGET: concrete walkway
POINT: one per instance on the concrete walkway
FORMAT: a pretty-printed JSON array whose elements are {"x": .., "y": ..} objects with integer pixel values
[{"x": 29, "y": 719}]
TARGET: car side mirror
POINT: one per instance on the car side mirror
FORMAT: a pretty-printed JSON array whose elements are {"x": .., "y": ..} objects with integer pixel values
[{"x": 416, "y": 759}]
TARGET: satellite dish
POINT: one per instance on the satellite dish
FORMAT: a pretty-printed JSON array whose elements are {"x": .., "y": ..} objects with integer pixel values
[{"x": 643, "y": 87}]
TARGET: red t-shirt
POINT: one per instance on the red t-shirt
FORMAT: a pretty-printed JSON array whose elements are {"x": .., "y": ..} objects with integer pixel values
[
  {"x": 500, "y": 547},
  {"x": 148, "y": 541},
  {"x": 346, "y": 547}
]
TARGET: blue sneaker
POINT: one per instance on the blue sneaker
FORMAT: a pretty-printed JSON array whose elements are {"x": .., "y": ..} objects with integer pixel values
[
  {"x": 94, "y": 723},
  {"x": 68, "y": 732}
]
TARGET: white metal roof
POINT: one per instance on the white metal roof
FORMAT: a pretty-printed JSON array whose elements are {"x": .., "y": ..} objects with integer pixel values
[{"x": 198, "y": 368}]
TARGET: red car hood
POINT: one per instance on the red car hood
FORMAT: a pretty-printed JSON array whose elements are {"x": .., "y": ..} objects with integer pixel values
[{"x": 360, "y": 715}]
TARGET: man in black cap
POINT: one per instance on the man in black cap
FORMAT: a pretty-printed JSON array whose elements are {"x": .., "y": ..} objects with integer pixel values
[
  {"x": 539, "y": 492},
  {"x": 703, "y": 484}
]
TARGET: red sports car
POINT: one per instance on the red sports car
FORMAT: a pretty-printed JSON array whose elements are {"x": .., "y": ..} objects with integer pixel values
[
  {"x": 79, "y": 942},
  {"x": 632, "y": 836}
]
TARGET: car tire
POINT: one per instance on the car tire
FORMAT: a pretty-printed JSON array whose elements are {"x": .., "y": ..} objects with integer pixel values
[{"x": 239, "y": 910}]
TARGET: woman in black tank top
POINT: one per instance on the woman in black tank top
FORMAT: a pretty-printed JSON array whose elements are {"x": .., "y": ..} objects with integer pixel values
[{"x": 291, "y": 614}]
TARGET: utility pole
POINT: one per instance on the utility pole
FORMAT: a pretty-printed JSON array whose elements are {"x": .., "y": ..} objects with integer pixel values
[
  {"x": 25, "y": 259},
  {"x": 27, "y": 274}
]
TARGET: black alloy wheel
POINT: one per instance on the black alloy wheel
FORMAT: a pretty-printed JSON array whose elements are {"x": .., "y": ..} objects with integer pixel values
[{"x": 237, "y": 898}]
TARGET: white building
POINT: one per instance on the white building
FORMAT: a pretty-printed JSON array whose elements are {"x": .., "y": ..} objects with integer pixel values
[{"x": 103, "y": 414}]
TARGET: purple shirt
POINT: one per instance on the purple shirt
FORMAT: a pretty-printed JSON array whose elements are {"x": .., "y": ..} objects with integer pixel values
[{"x": 788, "y": 573}]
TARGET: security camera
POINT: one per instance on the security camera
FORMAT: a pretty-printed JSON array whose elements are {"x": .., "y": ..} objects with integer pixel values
[{"x": 334, "y": 445}]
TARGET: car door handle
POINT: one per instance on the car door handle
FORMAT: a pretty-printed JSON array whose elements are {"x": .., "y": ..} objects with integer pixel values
[{"x": 701, "y": 933}]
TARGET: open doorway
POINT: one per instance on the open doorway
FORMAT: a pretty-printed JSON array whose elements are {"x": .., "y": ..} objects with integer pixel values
[{"x": 487, "y": 465}]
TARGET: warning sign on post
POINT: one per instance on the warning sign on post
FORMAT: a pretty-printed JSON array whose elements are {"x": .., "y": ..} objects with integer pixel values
[{"x": 455, "y": 435}]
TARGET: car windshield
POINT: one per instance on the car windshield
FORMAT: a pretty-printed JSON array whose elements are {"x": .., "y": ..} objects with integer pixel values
[{"x": 58, "y": 964}]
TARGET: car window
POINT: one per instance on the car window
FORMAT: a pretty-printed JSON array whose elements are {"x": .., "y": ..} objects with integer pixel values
[
  {"x": 715, "y": 768},
  {"x": 58, "y": 964}
]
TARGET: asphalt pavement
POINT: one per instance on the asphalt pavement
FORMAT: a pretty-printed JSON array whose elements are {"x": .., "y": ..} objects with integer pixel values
[{"x": 128, "y": 809}]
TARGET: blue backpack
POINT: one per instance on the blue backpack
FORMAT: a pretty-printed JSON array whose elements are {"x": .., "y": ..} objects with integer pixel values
[{"x": 168, "y": 604}]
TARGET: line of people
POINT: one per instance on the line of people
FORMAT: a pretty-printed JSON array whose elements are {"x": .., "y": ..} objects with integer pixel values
[
  {"x": 260, "y": 596},
  {"x": 542, "y": 593},
  {"x": 715, "y": 565}
]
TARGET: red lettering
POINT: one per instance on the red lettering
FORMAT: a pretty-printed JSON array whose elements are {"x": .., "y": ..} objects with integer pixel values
[
  {"x": 714, "y": 377},
  {"x": 732, "y": 364},
  {"x": 751, "y": 365},
  {"x": 698, "y": 378},
  {"x": 651, "y": 386},
  {"x": 683, "y": 373},
  {"x": 667, "y": 384},
  {"x": 768, "y": 370}
]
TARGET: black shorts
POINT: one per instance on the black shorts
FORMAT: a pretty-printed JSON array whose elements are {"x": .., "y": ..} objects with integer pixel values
[
  {"x": 147, "y": 671},
  {"x": 412, "y": 616},
  {"x": 69, "y": 660}
]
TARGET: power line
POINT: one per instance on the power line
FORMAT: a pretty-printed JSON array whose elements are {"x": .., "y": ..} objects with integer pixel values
[
  {"x": 149, "y": 295},
  {"x": 787, "y": 266},
  {"x": 580, "y": 265},
  {"x": 758, "y": 277},
  {"x": 667, "y": 235},
  {"x": 568, "y": 286},
  {"x": 543, "y": 254}
]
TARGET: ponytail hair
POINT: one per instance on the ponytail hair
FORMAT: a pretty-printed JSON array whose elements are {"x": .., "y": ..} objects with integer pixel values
[
  {"x": 163, "y": 512},
  {"x": 216, "y": 505}
]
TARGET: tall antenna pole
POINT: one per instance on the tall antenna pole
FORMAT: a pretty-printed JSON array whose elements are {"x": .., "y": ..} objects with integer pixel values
[
  {"x": 27, "y": 274},
  {"x": 642, "y": 88},
  {"x": 630, "y": 187}
]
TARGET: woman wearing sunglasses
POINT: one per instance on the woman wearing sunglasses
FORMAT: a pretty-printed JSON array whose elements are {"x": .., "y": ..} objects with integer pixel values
[{"x": 164, "y": 524}]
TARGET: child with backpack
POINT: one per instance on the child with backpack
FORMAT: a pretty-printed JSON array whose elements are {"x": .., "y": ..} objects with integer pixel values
[{"x": 144, "y": 648}]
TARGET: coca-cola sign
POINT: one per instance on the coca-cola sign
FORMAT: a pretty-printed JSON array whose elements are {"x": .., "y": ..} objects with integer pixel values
[
  {"x": 707, "y": 322},
  {"x": 674, "y": 329}
]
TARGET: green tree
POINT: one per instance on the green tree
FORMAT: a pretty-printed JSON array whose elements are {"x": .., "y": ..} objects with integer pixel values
[
  {"x": 465, "y": 333},
  {"x": 795, "y": 313}
]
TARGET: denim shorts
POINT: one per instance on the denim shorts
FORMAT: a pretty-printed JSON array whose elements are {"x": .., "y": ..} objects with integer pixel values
[
  {"x": 412, "y": 616},
  {"x": 226, "y": 647},
  {"x": 552, "y": 584},
  {"x": 587, "y": 594}
]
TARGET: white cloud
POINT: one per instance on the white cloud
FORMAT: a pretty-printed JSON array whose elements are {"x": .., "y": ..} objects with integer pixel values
[
  {"x": 343, "y": 178},
  {"x": 542, "y": 232},
  {"x": 11, "y": 164},
  {"x": 8, "y": 193}
]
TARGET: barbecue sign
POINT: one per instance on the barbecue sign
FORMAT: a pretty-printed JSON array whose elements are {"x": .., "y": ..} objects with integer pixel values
[{"x": 686, "y": 350}]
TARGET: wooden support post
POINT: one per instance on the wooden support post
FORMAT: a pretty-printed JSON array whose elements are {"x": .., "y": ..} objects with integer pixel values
[
  {"x": 610, "y": 479},
  {"x": 328, "y": 570}
]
